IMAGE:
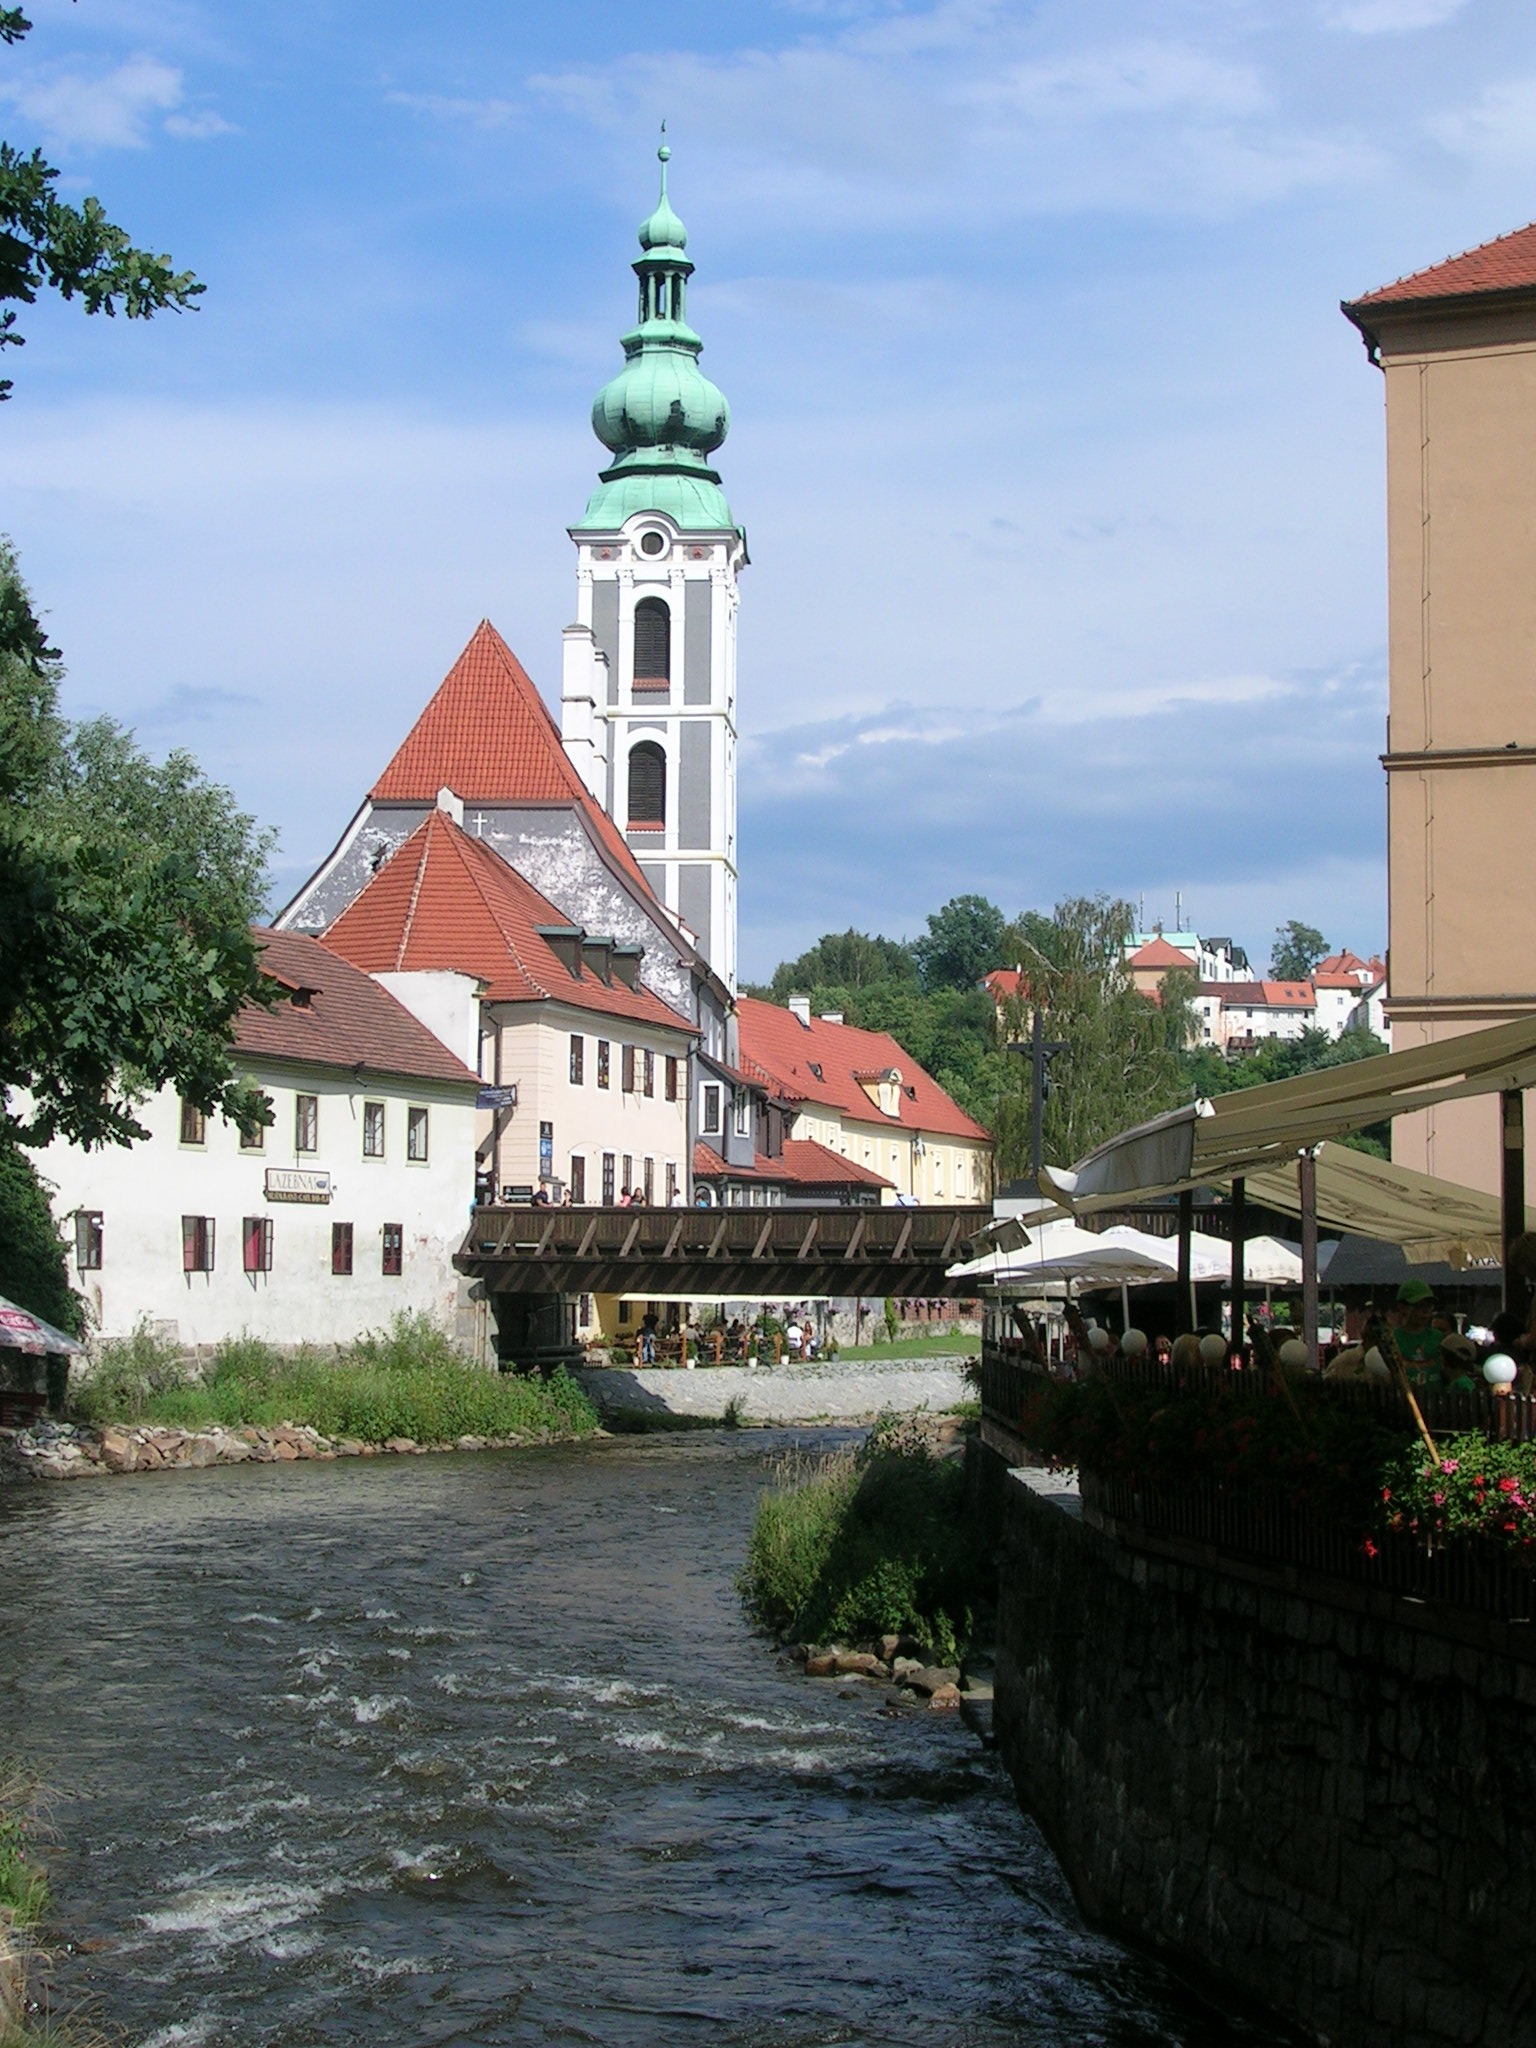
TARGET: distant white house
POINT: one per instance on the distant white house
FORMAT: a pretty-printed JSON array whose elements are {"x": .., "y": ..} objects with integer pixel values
[{"x": 346, "y": 1209}]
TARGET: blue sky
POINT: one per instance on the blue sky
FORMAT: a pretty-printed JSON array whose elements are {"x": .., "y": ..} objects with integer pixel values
[{"x": 1062, "y": 472}]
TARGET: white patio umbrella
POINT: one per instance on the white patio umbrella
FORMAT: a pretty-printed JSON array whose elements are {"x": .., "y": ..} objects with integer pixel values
[
  {"x": 1063, "y": 1251},
  {"x": 1267, "y": 1261}
]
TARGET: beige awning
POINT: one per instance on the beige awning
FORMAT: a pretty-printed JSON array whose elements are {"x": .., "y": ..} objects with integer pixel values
[
  {"x": 1429, "y": 1218},
  {"x": 1213, "y": 1140}
]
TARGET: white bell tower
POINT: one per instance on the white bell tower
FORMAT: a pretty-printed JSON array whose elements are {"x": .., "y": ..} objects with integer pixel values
[{"x": 648, "y": 698}]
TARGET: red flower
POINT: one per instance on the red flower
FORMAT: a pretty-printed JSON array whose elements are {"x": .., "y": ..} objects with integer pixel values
[
  {"x": 1370, "y": 1548},
  {"x": 1508, "y": 1485}
]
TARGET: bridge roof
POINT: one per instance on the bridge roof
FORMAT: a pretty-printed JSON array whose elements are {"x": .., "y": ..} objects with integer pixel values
[
  {"x": 447, "y": 900},
  {"x": 791, "y": 1053}
]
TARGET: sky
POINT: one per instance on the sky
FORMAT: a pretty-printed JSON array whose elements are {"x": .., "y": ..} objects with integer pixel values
[{"x": 1061, "y": 471}]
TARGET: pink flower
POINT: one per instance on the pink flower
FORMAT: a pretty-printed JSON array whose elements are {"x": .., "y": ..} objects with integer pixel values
[
  {"x": 1450, "y": 1464},
  {"x": 1439, "y": 1499}
]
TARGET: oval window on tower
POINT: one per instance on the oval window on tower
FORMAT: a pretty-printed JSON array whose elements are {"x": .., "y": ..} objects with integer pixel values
[
  {"x": 647, "y": 786},
  {"x": 653, "y": 543},
  {"x": 653, "y": 641}
]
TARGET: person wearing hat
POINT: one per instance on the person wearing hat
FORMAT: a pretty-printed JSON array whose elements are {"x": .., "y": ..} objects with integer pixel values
[
  {"x": 1458, "y": 1362},
  {"x": 1418, "y": 1341}
]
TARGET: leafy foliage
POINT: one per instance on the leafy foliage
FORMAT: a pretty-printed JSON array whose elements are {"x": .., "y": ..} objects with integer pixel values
[
  {"x": 1207, "y": 1073},
  {"x": 23, "y": 1884},
  {"x": 34, "y": 1267},
  {"x": 849, "y": 959},
  {"x": 48, "y": 245},
  {"x": 127, "y": 889},
  {"x": 964, "y": 941},
  {"x": 407, "y": 1380},
  {"x": 1297, "y": 950},
  {"x": 870, "y": 1543},
  {"x": 1477, "y": 1491}
]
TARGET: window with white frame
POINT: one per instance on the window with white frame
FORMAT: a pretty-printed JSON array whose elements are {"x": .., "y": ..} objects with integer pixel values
[
  {"x": 306, "y": 1123},
  {"x": 256, "y": 1244},
  {"x": 373, "y": 1130},
  {"x": 197, "y": 1244},
  {"x": 416, "y": 1122}
]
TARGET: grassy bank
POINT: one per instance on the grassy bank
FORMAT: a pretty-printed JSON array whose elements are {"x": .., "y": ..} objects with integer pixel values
[
  {"x": 870, "y": 1542},
  {"x": 407, "y": 1381},
  {"x": 963, "y": 1344}
]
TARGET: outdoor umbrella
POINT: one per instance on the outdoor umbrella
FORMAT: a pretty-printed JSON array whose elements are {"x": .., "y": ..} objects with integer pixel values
[
  {"x": 1062, "y": 1251},
  {"x": 20, "y": 1330}
]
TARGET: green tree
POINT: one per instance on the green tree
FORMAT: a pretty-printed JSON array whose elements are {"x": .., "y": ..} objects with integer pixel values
[
  {"x": 1297, "y": 950},
  {"x": 845, "y": 960},
  {"x": 964, "y": 941},
  {"x": 127, "y": 889},
  {"x": 1176, "y": 1000},
  {"x": 34, "y": 1270},
  {"x": 48, "y": 245},
  {"x": 1207, "y": 1073},
  {"x": 1116, "y": 1068}
]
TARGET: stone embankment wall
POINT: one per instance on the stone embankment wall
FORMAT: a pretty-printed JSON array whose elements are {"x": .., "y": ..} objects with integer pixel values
[
  {"x": 1325, "y": 1800},
  {"x": 62, "y": 1450},
  {"x": 815, "y": 1392}
]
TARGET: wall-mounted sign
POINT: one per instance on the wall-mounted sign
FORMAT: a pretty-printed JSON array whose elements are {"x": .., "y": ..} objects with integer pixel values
[
  {"x": 500, "y": 1097},
  {"x": 297, "y": 1184}
]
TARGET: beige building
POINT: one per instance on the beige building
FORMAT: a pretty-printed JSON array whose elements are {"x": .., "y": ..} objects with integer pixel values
[
  {"x": 1457, "y": 345},
  {"x": 858, "y": 1095}
]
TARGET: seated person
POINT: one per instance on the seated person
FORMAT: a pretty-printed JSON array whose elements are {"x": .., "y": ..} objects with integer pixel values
[{"x": 1458, "y": 1363}]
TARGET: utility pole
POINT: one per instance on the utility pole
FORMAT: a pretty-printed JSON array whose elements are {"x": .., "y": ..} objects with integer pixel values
[{"x": 1042, "y": 1051}]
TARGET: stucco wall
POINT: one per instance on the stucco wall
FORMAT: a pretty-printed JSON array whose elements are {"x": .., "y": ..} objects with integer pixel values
[
  {"x": 143, "y": 1192},
  {"x": 1330, "y": 1803}
]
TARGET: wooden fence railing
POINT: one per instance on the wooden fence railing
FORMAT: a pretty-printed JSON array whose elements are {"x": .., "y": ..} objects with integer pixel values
[{"x": 1475, "y": 1576}]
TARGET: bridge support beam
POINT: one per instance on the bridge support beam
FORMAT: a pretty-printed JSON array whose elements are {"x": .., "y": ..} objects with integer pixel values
[{"x": 536, "y": 1332}]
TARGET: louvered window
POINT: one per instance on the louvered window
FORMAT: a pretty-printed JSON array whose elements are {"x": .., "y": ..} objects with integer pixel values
[
  {"x": 653, "y": 641},
  {"x": 647, "y": 784}
]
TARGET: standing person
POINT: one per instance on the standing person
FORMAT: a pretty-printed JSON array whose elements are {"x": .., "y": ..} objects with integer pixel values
[
  {"x": 648, "y": 1337},
  {"x": 1418, "y": 1341},
  {"x": 792, "y": 1338}
]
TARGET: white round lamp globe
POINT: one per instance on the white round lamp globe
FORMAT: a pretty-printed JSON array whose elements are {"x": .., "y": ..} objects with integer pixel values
[
  {"x": 1098, "y": 1340},
  {"x": 1133, "y": 1343},
  {"x": 1500, "y": 1371},
  {"x": 1294, "y": 1353},
  {"x": 1213, "y": 1349}
]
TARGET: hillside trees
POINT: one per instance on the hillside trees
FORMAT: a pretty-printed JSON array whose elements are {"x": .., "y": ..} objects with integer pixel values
[{"x": 1297, "y": 950}]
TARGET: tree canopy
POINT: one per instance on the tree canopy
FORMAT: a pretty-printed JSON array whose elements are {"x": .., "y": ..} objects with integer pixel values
[
  {"x": 1297, "y": 950},
  {"x": 48, "y": 245},
  {"x": 127, "y": 889},
  {"x": 964, "y": 941}
]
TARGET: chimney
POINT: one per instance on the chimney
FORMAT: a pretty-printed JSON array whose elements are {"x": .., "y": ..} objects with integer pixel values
[
  {"x": 583, "y": 672},
  {"x": 831, "y": 1016},
  {"x": 800, "y": 1010},
  {"x": 626, "y": 962},
  {"x": 597, "y": 956}
]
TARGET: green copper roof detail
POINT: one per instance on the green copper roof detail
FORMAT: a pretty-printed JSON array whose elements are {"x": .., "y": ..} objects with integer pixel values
[{"x": 660, "y": 416}]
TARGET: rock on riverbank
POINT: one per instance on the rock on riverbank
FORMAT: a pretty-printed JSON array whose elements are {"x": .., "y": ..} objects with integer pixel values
[{"x": 63, "y": 1450}]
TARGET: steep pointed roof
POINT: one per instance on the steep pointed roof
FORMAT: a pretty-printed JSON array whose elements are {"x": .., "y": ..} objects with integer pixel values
[
  {"x": 446, "y": 900},
  {"x": 1507, "y": 264},
  {"x": 821, "y": 1062},
  {"x": 487, "y": 735}
]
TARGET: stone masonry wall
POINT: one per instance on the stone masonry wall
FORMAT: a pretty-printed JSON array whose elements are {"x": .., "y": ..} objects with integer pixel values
[{"x": 1328, "y": 1803}]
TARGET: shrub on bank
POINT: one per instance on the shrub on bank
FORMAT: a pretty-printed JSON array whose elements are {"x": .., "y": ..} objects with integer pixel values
[
  {"x": 868, "y": 1543},
  {"x": 407, "y": 1380},
  {"x": 23, "y": 1886}
]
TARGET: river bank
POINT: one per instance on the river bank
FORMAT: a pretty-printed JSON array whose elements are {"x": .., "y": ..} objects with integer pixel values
[{"x": 65, "y": 1450}]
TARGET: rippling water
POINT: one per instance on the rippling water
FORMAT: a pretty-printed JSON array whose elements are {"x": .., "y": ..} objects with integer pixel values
[{"x": 476, "y": 1750}]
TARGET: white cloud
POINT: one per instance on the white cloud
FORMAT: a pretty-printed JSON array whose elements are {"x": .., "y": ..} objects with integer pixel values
[
  {"x": 1389, "y": 17},
  {"x": 458, "y": 111},
  {"x": 1137, "y": 78},
  {"x": 114, "y": 109},
  {"x": 1500, "y": 128}
]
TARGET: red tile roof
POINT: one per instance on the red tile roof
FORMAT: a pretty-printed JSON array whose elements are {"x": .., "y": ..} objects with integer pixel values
[
  {"x": 1505, "y": 265},
  {"x": 1158, "y": 953},
  {"x": 1339, "y": 963},
  {"x": 804, "y": 1163},
  {"x": 488, "y": 736},
  {"x": 776, "y": 1041},
  {"x": 347, "y": 1021},
  {"x": 447, "y": 900},
  {"x": 1262, "y": 995},
  {"x": 1005, "y": 984}
]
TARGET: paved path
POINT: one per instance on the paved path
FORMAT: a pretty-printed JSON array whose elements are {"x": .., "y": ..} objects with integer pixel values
[{"x": 833, "y": 1392}]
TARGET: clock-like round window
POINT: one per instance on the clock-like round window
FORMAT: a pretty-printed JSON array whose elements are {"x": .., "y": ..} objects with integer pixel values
[{"x": 652, "y": 543}]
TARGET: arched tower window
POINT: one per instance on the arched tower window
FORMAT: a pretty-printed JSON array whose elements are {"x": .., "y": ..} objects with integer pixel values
[
  {"x": 653, "y": 641},
  {"x": 647, "y": 784}
]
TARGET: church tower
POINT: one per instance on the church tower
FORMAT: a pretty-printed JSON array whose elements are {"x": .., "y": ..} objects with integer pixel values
[{"x": 648, "y": 692}]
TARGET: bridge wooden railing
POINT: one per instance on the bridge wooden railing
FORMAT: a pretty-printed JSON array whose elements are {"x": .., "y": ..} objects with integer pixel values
[{"x": 791, "y": 1250}]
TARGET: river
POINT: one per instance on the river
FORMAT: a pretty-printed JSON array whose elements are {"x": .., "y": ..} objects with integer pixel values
[{"x": 477, "y": 1749}]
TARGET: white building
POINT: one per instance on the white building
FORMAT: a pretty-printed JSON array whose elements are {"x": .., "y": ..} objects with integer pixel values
[{"x": 347, "y": 1209}]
